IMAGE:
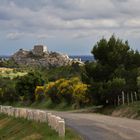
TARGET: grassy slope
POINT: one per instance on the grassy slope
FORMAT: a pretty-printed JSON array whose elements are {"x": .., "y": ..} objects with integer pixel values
[
  {"x": 21, "y": 129},
  {"x": 128, "y": 111}
]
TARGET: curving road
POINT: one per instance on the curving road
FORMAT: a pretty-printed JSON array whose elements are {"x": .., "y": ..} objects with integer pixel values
[{"x": 101, "y": 127}]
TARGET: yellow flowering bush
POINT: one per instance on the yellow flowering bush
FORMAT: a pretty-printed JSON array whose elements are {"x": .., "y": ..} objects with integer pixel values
[
  {"x": 71, "y": 90},
  {"x": 51, "y": 91},
  {"x": 80, "y": 94},
  {"x": 39, "y": 93}
]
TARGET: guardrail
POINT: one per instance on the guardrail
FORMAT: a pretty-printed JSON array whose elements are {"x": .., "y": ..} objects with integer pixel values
[{"x": 55, "y": 122}]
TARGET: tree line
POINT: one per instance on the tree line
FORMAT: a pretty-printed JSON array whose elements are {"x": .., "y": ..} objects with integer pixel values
[{"x": 116, "y": 68}]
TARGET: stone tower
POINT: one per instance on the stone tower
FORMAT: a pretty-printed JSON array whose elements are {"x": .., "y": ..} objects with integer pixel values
[{"x": 39, "y": 50}]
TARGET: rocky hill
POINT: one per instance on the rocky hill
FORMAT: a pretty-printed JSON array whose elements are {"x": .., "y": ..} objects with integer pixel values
[{"x": 39, "y": 57}]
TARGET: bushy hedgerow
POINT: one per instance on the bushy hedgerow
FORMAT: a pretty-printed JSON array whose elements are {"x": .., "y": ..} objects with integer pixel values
[{"x": 72, "y": 91}]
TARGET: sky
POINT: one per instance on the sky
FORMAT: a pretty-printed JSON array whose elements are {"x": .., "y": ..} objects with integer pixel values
[{"x": 67, "y": 26}]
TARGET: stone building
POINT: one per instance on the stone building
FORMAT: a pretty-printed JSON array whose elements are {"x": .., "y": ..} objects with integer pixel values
[
  {"x": 46, "y": 59},
  {"x": 39, "y": 50}
]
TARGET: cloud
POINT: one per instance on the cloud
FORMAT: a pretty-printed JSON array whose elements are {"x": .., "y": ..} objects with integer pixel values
[
  {"x": 44, "y": 36},
  {"x": 14, "y": 36},
  {"x": 48, "y": 18}
]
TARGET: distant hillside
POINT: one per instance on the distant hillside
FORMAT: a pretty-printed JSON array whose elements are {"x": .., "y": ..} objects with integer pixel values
[{"x": 40, "y": 56}]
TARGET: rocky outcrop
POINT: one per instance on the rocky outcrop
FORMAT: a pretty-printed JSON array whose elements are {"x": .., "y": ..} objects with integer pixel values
[{"x": 47, "y": 59}]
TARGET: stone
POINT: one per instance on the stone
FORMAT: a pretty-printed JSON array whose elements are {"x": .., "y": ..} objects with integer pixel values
[
  {"x": 11, "y": 112},
  {"x": 61, "y": 128},
  {"x": 52, "y": 122},
  {"x": 49, "y": 118},
  {"x": 55, "y": 122},
  {"x": 30, "y": 114},
  {"x": 23, "y": 113},
  {"x": 17, "y": 114},
  {"x": 43, "y": 116}
]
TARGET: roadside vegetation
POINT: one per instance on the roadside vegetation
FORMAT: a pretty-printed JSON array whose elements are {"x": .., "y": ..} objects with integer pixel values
[
  {"x": 128, "y": 111},
  {"x": 116, "y": 68},
  {"x": 21, "y": 129}
]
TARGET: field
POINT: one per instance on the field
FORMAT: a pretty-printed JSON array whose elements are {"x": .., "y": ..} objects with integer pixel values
[
  {"x": 10, "y": 73},
  {"x": 21, "y": 129}
]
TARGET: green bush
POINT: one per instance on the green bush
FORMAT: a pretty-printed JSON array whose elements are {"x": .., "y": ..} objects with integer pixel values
[
  {"x": 26, "y": 85},
  {"x": 7, "y": 90}
]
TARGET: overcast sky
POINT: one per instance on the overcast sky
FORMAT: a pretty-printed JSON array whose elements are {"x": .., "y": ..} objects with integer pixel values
[{"x": 67, "y": 26}]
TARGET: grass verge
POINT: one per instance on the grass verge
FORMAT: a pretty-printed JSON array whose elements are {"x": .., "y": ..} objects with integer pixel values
[
  {"x": 128, "y": 111},
  {"x": 21, "y": 129}
]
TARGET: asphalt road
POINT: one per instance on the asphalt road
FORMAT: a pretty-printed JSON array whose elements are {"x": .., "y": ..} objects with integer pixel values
[{"x": 101, "y": 127}]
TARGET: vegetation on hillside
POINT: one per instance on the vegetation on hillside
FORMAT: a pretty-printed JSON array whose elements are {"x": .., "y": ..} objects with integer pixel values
[
  {"x": 11, "y": 73},
  {"x": 116, "y": 68},
  {"x": 21, "y": 129},
  {"x": 8, "y": 63}
]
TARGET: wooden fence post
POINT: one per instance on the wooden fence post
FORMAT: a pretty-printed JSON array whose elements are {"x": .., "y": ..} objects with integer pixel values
[
  {"x": 118, "y": 100},
  {"x": 123, "y": 97},
  {"x": 136, "y": 98},
  {"x": 128, "y": 98},
  {"x": 115, "y": 103},
  {"x": 132, "y": 97}
]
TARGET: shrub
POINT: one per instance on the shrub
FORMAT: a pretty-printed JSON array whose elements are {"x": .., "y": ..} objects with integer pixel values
[
  {"x": 71, "y": 91},
  {"x": 7, "y": 90},
  {"x": 80, "y": 94},
  {"x": 39, "y": 93},
  {"x": 26, "y": 85},
  {"x": 65, "y": 90},
  {"x": 52, "y": 92}
]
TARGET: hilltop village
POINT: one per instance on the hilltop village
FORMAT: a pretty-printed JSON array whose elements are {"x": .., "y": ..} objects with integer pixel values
[{"x": 40, "y": 56}]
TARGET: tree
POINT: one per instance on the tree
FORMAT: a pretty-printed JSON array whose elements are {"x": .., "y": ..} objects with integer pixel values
[
  {"x": 115, "y": 88},
  {"x": 138, "y": 83},
  {"x": 26, "y": 85},
  {"x": 116, "y": 68},
  {"x": 113, "y": 52}
]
